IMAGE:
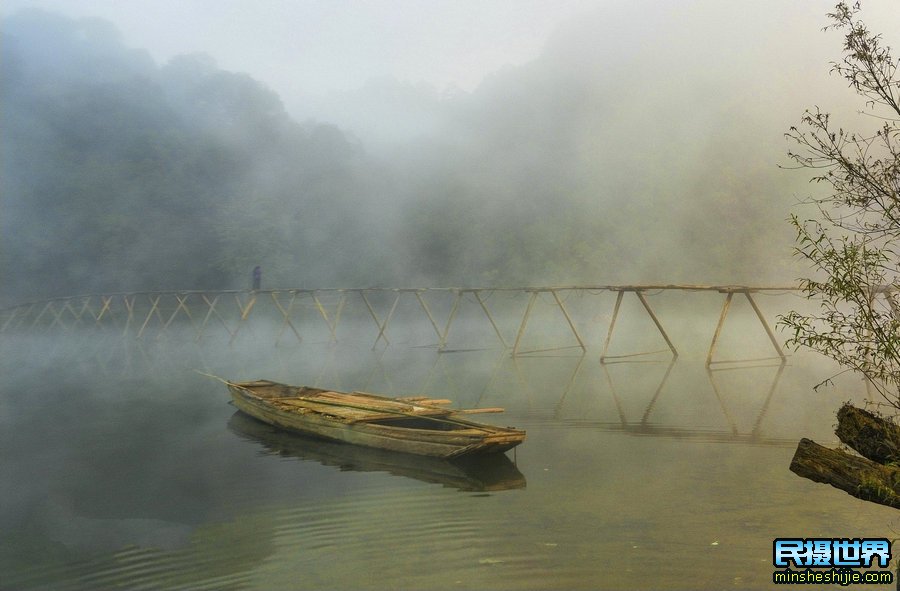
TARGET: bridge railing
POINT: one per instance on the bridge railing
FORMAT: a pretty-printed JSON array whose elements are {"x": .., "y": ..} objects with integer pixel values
[{"x": 142, "y": 314}]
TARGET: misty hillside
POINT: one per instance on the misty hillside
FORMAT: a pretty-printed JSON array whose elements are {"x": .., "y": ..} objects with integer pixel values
[
  {"x": 120, "y": 174},
  {"x": 123, "y": 175}
]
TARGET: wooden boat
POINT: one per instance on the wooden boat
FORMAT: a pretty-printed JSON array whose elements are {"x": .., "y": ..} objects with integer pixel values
[
  {"x": 471, "y": 473},
  {"x": 415, "y": 425}
]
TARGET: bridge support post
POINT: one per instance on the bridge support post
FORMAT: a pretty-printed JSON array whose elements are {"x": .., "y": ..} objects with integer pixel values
[
  {"x": 715, "y": 339},
  {"x": 137, "y": 310},
  {"x": 105, "y": 302},
  {"x": 153, "y": 308},
  {"x": 39, "y": 316},
  {"x": 129, "y": 305},
  {"x": 524, "y": 323},
  {"x": 528, "y": 311},
  {"x": 286, "y": 316},
  {"x": 332, "y": 325},
  {"x": 181, "y": 305},
  {"x": 729, "y": 296},
  {"x": 245, "y": 312},
  {"x": 382, "y": 326},
  {"x": 659, "y": 327},
  {"x": 454, "y": 310},
  {"x": 568, "y": 319},
  {"x": 211, "y": 309},
  {"x": 441, "y": 336},
  {"x": 490, "y": 318}
]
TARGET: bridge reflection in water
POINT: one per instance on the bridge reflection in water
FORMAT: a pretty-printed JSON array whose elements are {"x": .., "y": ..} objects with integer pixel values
[
  {"x": 573, "y": 389},
  {"x": 509, "y": 318}
]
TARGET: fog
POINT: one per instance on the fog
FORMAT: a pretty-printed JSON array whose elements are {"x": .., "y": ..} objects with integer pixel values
[
  {"x": 397, "y": 145},
  {"x": 176, "y": 146},
  {"x": 126, "y": 470}
]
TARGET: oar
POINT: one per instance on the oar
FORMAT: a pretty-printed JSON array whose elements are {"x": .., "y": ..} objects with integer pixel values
[
  {"x": 439, "y": 402},
  {"x": 419, "y": 399},
  {"x": 209, "y": 375},
  {"x": 478, "y": 411}
]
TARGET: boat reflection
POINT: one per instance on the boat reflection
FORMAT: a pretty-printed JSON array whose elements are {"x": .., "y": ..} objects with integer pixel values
[{"x": 494, "y": 472}]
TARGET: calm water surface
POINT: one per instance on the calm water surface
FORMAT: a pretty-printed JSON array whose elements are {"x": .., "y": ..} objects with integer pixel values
[{"x": 122, "y": 468}]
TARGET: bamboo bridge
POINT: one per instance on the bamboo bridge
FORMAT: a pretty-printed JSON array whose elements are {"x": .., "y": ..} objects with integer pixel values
[{"x": 142, "y": 314}]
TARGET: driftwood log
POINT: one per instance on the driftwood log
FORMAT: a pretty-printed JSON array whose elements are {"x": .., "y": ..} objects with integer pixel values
[
  {"x": 872, "y": 436},
  {"x": 861, "y": 477},
  {"x": 874, "y": 475}
]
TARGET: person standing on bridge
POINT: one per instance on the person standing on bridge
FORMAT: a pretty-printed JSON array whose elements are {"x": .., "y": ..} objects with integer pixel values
[{"x": 257, "y": 277}]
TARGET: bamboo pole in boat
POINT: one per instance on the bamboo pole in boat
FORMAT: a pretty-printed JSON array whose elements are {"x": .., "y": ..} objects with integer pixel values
[{"x": 377, "y": 409}]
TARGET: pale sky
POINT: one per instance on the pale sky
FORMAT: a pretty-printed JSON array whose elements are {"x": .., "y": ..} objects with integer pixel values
[
  {"x": 321, "y": 46},
  {"x": 309, "y": 50}
]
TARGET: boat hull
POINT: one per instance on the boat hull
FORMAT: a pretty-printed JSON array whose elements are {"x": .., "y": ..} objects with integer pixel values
[{"x": 463, "y": 438}]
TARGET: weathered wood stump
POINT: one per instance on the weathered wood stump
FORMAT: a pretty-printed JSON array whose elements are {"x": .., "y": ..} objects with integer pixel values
[
  {"x": 872, "y": 436},
  {"x": 861, "y": 477}
]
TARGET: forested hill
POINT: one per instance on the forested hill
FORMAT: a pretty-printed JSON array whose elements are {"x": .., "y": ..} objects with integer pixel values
[{"x": 121, "y": 174}]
